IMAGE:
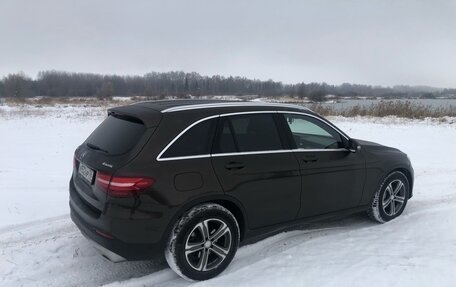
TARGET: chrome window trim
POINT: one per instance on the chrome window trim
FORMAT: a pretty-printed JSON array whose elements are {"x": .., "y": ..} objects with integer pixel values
[
  {"x": 275, "y": 151},
  {"x": 251, "y": 152},
  {"x": 184, "y": 157},
  {"x": 319, "y": 149},
  {"x": 233, "y": 104},
  {"x": 159, "y": 158}
]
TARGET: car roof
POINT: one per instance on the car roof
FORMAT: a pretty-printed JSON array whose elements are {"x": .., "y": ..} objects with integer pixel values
[
  {"x": 170, "y": 106},
  {"x": 151, "y": 112}
]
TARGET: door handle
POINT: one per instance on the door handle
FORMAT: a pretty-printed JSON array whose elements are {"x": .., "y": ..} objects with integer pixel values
[
  {"x": 234, "y": 165},
  {"x": 310, "y": 159}
]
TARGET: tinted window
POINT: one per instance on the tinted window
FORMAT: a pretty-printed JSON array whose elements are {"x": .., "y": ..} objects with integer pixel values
[
  {"x": 196, "y": 141},
  {"x": 225, "y": 142},
  {"x": 310, "y": 133},
  {"x": 116, "y": 135},
  {"x": 253, "y": 132}
]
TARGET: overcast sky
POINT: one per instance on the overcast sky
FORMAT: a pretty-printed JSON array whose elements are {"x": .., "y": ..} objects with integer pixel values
[{"x": 382, "y": 42}]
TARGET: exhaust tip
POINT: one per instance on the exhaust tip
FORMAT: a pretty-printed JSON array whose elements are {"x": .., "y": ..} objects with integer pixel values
[{"x": 108, "y": 254}]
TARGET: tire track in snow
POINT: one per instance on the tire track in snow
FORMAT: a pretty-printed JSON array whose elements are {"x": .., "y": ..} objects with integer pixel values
[
  {"x": 54, "y": 253},
  {"x": 259, "y": 251}
]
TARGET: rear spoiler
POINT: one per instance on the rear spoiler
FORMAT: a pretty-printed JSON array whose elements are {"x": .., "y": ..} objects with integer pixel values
[{"x": 149, "y": 117}]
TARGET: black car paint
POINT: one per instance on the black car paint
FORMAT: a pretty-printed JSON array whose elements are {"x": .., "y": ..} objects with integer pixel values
[{"x": 270, "y": 192}]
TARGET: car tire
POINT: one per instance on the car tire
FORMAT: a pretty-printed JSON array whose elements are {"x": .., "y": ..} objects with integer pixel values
[
  {"x": 391, "y": 198},
  {"x": 203, "y": 242}
]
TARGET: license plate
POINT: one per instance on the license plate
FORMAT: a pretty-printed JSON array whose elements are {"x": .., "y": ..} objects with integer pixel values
[{"x": 86, "y": 172}]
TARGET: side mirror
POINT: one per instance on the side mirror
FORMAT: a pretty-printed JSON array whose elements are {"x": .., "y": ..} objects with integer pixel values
[{"x": 353, "y": 145}]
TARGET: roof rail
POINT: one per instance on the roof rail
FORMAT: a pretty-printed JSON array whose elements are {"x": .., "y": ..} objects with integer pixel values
[{"x": 232, "y": 104}]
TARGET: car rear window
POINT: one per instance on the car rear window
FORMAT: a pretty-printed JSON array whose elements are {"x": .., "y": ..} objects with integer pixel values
[{"x": 116, "y": 135}]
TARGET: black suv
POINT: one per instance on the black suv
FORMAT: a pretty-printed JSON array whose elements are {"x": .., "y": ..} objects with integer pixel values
[{"x": 196, "y": 178}]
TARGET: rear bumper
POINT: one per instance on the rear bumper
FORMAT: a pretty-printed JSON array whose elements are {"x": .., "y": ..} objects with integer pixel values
[
  {"x": 111, "y": 246},
  {"x": 114, "y": 249}
]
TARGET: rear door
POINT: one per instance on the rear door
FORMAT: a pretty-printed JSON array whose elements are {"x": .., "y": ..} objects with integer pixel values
[
  {"x": 332, "y": 177},
  {"x": 254, "y": 165}
]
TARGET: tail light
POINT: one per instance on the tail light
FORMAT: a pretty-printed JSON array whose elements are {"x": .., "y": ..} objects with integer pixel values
[{"x": 122, "y": 186}]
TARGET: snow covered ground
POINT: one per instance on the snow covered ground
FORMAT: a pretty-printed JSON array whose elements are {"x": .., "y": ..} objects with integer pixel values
[{"x": 39, "y": 245}]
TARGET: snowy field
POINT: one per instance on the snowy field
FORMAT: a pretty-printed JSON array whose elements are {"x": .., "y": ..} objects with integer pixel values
[{"x": 40, "y": 246}]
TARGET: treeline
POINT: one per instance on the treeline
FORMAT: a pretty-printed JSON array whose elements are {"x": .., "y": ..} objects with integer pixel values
[{"x": 181, "y": 84}]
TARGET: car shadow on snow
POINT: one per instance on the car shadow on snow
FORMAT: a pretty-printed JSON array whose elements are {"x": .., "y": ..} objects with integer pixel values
[{"x": 147, "y": 272}]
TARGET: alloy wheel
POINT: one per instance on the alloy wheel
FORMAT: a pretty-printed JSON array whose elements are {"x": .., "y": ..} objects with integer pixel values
[
  {"x": 393, "y": 197},
  {"x": 208, "y": 244}
]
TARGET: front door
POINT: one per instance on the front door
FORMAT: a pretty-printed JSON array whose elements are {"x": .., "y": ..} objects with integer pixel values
[
  {"x": 253, "y": 165},
  {"x": 332, "y": 176}
]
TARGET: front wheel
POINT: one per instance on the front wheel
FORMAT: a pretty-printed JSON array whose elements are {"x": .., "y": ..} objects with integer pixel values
[
  {"x": 203, "y": 242},
  {"x": 390, "y": 199}
]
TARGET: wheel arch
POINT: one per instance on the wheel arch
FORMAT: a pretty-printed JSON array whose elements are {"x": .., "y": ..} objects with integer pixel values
[
  {"x": 228, "y": 202},
  {"x": 238, "y": 213},
  {"x": 409, "y": 176}
]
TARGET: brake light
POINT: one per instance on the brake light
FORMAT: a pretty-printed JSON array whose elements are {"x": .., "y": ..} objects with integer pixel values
[{"x": 122, "y": 186}]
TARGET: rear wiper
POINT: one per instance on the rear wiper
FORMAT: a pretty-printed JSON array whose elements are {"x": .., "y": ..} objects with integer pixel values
[{"x": 92, "y": 146}]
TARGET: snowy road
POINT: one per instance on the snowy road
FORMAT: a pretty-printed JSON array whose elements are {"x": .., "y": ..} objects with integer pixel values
[{"x": 39, "y": 246}]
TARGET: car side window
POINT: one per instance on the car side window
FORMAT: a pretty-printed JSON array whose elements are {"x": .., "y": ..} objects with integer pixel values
[
  {"x": 310, "y": 133},
  {"x": 225, "y": 142},
  {"x": 246, "y": 133},
  {"x": 195, "y": 141}
]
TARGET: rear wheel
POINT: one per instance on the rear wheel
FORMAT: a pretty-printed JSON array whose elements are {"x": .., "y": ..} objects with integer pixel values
[
  {"x": 203, "y": 242},
  {"x": 390, "y": 199}
]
